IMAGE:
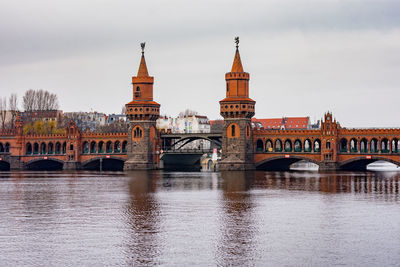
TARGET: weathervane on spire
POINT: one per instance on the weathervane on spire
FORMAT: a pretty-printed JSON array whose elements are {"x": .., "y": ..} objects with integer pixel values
[
  {"x": 142, "y": 45},
  {"x": 237, "y": 41}
]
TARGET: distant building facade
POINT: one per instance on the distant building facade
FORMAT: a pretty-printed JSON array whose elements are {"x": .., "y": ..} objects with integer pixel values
[
  {"x": 185, "y": 124},
  {"x": 44, "y": 115},
  {"x": 87, "y": 120}
]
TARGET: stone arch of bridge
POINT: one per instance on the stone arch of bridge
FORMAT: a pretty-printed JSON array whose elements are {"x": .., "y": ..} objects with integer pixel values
[
  {"x": 45, "y": 164},
  {"x": 108, "y": 163},
  {"x": 360, "y": 163},
  {"x": 4, "y": 165},
  {"x": 186, "y": 140},
  {"x": 280, "y": 163}
]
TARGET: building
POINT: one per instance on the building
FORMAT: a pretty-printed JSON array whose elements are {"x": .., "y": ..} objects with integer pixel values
[
  {"x": 111, "y": 118},
  {"x": 44, "y": 115},
  {"x": 87, "y": 120},
  {"x": 184, "y": 124}
]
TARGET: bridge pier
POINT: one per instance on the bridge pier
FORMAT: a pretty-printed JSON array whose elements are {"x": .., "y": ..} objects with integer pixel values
[
  {"x": 72, "y": 165},
  {"x": 329, "y": 166}
]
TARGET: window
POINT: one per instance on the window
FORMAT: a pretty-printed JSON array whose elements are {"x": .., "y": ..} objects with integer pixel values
[{"x": 233, "y": 130}]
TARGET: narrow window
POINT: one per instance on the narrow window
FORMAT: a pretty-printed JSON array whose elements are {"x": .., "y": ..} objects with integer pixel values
[{"x": 233, "y": 130}]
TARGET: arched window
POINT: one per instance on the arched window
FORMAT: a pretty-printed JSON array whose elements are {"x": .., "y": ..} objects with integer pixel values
[
  {"x": 364, "y": 146},
  {"x": 7, "y": 148},
  {"x": 288, "y": 146},
  {"x": 64, "y": 148},
  {"x": 343, "y": 145},
  {"x": 374, "y": 146},
  {"x": 307, "y": 145},
  {"x": 124, "y": 146},
  {"x": 353, "y": 145},
  {"x": 35, "y": 148},
  {"x": 137, "y": 133},
  {"x": 85, "y": 147},
  {"x": 93, "y": 146},
  {"x": 278, "y": 145},
  {"x": 1, "y": 147},
  {"x": 268, "y": 146},
  {"x": 43, "y": 148},
  {"x": 297, "y": 146},
  {"x": 117, "y": 147},
  {"x": 109, "y": 147},
  {"x": 317, "y": 145},
  {"x": 71, "y": 146},
  {"x": 138, "y": 89},
  {"x": 28, "y": 149},
  {"x": 58, "y": 148},
  {"x": 233, "y": 130},
  {"x": 328, "y": 145},
  {"x": 259, "y": 145},
  {"x": 50, "y": 148},
  {"x": 100, "y": 147}
]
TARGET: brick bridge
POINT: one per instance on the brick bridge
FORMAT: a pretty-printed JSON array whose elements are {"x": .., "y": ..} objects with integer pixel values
[{"x": 243, "y": 146}]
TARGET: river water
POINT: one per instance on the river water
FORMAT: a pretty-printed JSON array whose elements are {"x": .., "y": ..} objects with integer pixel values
[{"x": 199, "y": 218}]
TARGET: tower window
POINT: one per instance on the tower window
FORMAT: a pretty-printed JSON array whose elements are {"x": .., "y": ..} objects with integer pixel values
[
  {"x": 227, "y": 87},
  {"x": 138, "y": 89},
  {"x": 233, "y": 130}
]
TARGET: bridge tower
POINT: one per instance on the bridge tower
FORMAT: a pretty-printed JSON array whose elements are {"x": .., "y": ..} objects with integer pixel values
[
  {"x": 142, "y": 112},
  {"x": 329, "y": 143},
  {"x": 237, "y": 109}
]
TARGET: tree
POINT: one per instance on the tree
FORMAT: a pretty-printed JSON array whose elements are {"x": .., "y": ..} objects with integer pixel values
[
  {"x": 187, "y": 113},
  {"x": 3, "y": 111},
  {"x": 13, "y": 106},
  {"x": 40, "y": 100}
]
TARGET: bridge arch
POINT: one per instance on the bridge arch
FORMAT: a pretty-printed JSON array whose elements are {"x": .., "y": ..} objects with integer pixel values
[
  {"x": 109, "y": 163},
  {"x": 360, "y": 163},
  {"x": 281, "y": 163},
  {"x": 4, "y": 165},
  {"x": 41, "y": 164}
]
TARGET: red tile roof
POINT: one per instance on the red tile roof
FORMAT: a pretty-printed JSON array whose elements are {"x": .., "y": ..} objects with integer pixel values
[{"x": 286, "y": 122}]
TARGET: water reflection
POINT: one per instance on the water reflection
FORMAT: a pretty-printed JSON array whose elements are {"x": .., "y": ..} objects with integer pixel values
[
  {"x": 236, "y": 222},
  {"x": 383, "y": 184},
  {"x": 142, "y": 215}
]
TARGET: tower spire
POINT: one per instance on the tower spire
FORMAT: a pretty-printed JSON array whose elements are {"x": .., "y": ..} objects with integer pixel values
[
  {"x": 142, "y": 72},
  {"x": 237, "y": 63}
]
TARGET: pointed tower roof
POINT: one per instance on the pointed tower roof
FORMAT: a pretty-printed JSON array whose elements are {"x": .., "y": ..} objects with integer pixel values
[
  {"x": 237, "y": 63},
  {"x": 142, "y": 72}
]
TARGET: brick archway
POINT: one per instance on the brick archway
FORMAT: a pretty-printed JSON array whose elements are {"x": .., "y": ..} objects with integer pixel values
[{"x": 282, "y": 162}]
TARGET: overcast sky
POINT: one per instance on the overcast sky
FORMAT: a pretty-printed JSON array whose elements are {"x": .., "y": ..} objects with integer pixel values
[{"x": 304, "y": 57}]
